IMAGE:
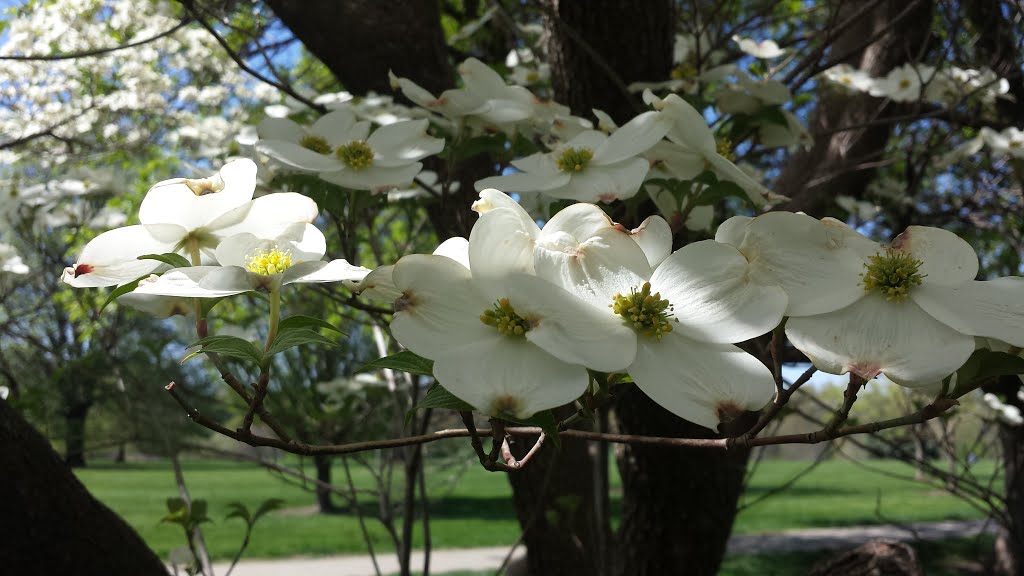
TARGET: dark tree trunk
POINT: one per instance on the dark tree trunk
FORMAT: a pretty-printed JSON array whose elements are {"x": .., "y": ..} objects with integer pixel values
[
  {"x": 632, "y": 42},
  {"x": 50, "y": 523},
  {"x": 323, "y": 474},
  {"x": 678, "y": 506},
  {"x": 554, "y": 500},
  {"x": 839, "y": 161},
  {"x": 360, "y": 40},
  {"x": 1009, "y": 550},
  {"x": 74, "y": 435}
]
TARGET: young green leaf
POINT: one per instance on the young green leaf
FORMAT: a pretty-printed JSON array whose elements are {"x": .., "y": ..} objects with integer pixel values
[
  {"x": 227, "y": 346},
  {"x": 299, "y": 321},
  {"x": 295, "y": 337},
  {"x": 404, "y": 361},
  {"x": 170, "y": 258}
]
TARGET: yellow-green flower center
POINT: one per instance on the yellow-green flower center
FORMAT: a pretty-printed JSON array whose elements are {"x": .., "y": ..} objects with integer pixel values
[
  {"x": 724, "y": 148},
  {"x": 904, "y": 84},
  {"x": 574, "y": 159},
  {"x": 505, "y": 319},
  {"x": 356, "y": 154},
  {"x": 892, "y": 273},
  {"x": 315, "y": 143},
  {"x": 269, "y": 262},
  {"x": 648, "y": 314},
  {"x": 505, "y": 404},
  {"x": 683, "y": 71}
]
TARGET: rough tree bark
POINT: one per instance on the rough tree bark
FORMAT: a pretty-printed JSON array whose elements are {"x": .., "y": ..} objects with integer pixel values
[
  {"x": 323, "y": 474},
  {"x": 51, "y": 524},
  {"x": 838, "y": 162}
]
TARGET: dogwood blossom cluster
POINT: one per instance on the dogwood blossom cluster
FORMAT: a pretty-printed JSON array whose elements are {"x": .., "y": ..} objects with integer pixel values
[
  {"x": 911, "y": 82},
  {"x": 235, "y": 243},
  {"x": 515, "y": 317}
]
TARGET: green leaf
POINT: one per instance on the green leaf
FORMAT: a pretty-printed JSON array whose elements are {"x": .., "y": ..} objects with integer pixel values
[
  {"x": 121, "y": 291},
  {"x": 718, "y": 191},
  {"x": 170, "y": 258},
  {"x": 230, "y": 346},
  {"x": 238, "y": 510},
  {"x": 177, "y": 512},
  {"x": 487, "y": 144},
  {"x": 198, "y": 515},
  {"x": 772, "y": 115},
  {"x": 404, "y": 361},
  {"x": 268, "y": 505},
  {"x": 299, "y": 321},
  {"x": 983, "y": 365},
  {"x": 439, "y": 397},
  {"x": 296, "y": 337}
]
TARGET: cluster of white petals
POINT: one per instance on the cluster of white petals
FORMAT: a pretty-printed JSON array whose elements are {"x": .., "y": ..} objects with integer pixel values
[
  {"x": 913, "y": 82},
  {"x": 515, "y": 317},
  {"x": 341, "y": 149},
  {"x": 910, "y": 309},
  {"x": 235, "y": 243}
]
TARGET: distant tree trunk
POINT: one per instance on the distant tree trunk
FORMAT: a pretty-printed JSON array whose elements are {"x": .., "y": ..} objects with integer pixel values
[
  {"x": 678, "y": 506},
  {"x": 1010, "y": 541},
  {"x": 323, "y": 474},
  {"x": 50, "y": 523},
  {"x": 74, "y": 434}
]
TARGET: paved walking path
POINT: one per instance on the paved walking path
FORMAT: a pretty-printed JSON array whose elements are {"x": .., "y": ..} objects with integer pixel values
[{"x": 442, "y": 561}]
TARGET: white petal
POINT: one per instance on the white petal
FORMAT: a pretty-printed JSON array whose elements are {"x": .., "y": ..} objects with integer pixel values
[
  {"x": 604, "y": 183},
  {"x": 456, "y": 248},
  {"x": 874, "y": 335},
  {"x": 733, "y": 230},
  {"x": 185, "y": 283},
  {"x": 523, "y": 182},
  {"x": 403, "y": 143},
  {"x": 568, "y": 328},
  {"x": 501, "y": 243},
  {"x": 700, "y": 218},
  {"x": 756, "y": 192},
  {"x": 654, "y": 236},
  {"x": 296, "y": 156},
  {"x": 174, "y": 202},
  {"x": 378, "y": 286},
  {"x": 715, "y": 298},
  {"x": 481, "y": 79},
  {"x": 411, "y": 90},
  {"x": 946, "y": 258},
  {"x": 993, "y": 309},
  {"x": 267, "y": 216},
  {"x": 336, "y": 127},
  {"x": 374, "y": 178},
  {"x": 817, "y": 263},
  {"x": 497, "y": 374},
  {"x": 539, "y": 163},
  {"x": 698, "y": 381},
  {"x": 440, "y": 308},
  {"x": 157, "y": 306},
  {"x": 634, "y": 138},
  {"x": 690, "y": 128},
  {"x": 280, "y": 129},
  {"x": 333, "y": 271},
  {"x": 111, "y": 258}
]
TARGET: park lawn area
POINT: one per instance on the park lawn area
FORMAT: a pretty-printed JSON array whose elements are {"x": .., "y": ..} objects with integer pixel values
[{"x": 477, "y": 509}]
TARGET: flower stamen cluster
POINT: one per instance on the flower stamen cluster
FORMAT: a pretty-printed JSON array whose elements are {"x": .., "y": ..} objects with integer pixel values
[
  {"x": 315, "y": 143},
  {"x": 356, "y": 154},
  {"x": 649, "y": 314},
  {"x": 724, "y": 148},
  {"x": 504, "y": 318},
  {"x": 892, "y": 273},
  {"x": 267, "y": 262},
  {"x": 574, "y": 159}
]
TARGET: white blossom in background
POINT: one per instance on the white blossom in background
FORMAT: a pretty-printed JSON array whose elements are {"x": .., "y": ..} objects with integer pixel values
[
  {"x": 765, "y": 49},
  {"x": 591, "y": 167},
  {"x": 747, "y": 95},
  {"x": 850, "y": 77},
  {"x": 903, "y": 83},
  {"x": 1006, "y": 413},
  {"x": 10, "y": 262},
  {"x": 341, "y": 149},
  {"x": 1008, "y": 142}
]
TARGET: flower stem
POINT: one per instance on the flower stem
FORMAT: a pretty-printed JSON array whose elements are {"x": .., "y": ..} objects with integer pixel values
[{"x": 275, "y": 317}]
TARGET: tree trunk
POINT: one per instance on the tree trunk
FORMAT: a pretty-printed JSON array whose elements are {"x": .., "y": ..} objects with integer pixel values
[
  {"x": 839, "y": 162},
  {"x": 1009, "y": 549},
  {"x": 51, "y": 524},
  {"x": 678, "y": 506},
  {"x": 360, "y": 40},
  {"x": 554, "y": 499},
  {"x": 74, "y": 434},
  {"x": 323, "y": 474}
]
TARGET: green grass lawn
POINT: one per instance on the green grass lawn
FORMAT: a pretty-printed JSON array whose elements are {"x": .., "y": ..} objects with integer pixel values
[{"x": 477, "y": 510}]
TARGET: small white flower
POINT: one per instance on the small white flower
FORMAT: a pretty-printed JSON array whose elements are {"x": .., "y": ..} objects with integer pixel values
[{"x": 765, "y": 49}]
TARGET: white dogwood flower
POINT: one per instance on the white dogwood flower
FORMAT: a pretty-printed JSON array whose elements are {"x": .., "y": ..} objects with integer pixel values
[
  {"x": 765, "y": 49},
  {"x": 590, "y": 167}
]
